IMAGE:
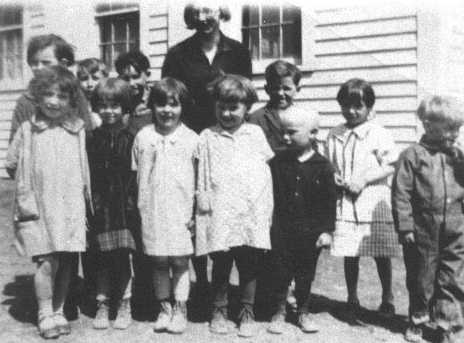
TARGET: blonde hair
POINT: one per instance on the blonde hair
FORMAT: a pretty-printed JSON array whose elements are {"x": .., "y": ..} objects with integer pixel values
[
  {"x": 441, "y": 109},
  {"x": 297, "y": 114}
]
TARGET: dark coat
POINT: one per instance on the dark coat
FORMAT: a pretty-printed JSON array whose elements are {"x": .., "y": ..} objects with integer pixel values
[{"x": 304, "y": 198}]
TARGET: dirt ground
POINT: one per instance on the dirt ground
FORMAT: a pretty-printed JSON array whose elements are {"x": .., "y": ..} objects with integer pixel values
[{"x": 17, "y": 311}]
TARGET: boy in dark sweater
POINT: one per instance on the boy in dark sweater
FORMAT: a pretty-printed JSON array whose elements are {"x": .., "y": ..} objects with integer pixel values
[{"x": 304, "y": 215}]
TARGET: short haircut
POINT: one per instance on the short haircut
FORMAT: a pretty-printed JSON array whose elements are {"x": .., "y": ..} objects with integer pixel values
[
  {"x": 355, "y": 92},
  {"x": 436, "y": 108},
  {"x": 166, "y": 88},
  {"x": 63, "y": 50},
  {"x": 45, "y": 78},
  {"x": 115, "y": 90},
  {"x": 234, "y": 88},
  {"x": 301, "y": 116},
  {"x": 279, "y": 69},
  {"x": 90, "y": 66},
  {"x": 191, "y": 14},
  {"x": 136, "y": 59}
]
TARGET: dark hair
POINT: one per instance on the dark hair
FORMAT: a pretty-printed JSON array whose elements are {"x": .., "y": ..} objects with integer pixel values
[
  {"x": 234, "y": 88},
  {"x": 279, "y": 69},
  {"x": 135, "y": 59},
  {"x": 191, "y": 14},
  {"x": 112, "y": 89},
  {"x": 355, "y": 92},
  {"x": 63, "y": 50},
  {"x": 90, "y": 66},
  {"x": 45, "y": 78},
  {"x": 166, "y": 88}
]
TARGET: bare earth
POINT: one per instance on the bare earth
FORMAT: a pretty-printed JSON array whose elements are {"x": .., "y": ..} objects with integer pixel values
[{"x": 17, "y": 311}]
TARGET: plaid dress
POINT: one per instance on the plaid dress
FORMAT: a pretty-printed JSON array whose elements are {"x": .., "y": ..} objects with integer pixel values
[
  {"x": 113, "y": 189},
  {"x": 364, "y": 225}
]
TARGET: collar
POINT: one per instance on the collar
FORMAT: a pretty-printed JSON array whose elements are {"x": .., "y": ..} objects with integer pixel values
[
  {"x": 305, "y": 156},
  {"x": 244, "y": 130},
  {"x": 224, "y": 43},
  {"x": 72, "y": 124},
  {"x": 171, "y": 138},
  {"x": 342, "y": 132}
]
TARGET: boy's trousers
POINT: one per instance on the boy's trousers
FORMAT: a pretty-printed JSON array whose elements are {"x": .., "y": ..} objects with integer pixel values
[
  {"x": 296, "y": 258},
  {"x": 435, "y": 267}
]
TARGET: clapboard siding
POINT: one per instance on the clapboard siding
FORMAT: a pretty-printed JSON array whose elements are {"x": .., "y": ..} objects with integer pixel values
[
  {"x": 379, "y": 45},
  {"x": 158, "y": 39}
]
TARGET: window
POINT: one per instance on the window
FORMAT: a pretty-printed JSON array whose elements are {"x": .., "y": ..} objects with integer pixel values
[
  {"x": 272, "y": 32},
  {"x": 11, "y": 43},
  {"x": 119, "y": 30}
]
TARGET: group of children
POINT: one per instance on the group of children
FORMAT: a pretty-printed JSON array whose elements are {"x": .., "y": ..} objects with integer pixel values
[{"x": 252, "y": 183}]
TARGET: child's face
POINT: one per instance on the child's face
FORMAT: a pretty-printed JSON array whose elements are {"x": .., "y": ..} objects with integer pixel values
[
  {"x": 43, "y": 58},
  {"x": 110, "y": 112},
  {"x": 299, "y": 135},
  {"x": 55, "y": 103},
  {"x": 137, "y": 80},
  {"x": 441, "y": 133},
  {"x": 167, "y": 116},
  {"x": 230, "y": 115},
  {"x": 355, "y": 114},
  {"x": 281, "y": 92},
  {"x": 89, "y": 81}
]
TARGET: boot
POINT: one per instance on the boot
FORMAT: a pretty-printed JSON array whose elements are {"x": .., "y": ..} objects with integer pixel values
[
  {"x": 124, "y": 317},
  {"x": 164, "y": 316},
  {"x": 47, "y": 327},
  {"x": 178, "y": 322},
  {"x": 219, "y": 322},
  {"x": 247, "y": 326},
  {"x": 62, "y": 325}
]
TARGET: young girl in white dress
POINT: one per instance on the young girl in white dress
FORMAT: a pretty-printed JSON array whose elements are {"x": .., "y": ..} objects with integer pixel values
[
  {"x": 235, "y": 201},
  {"x": 47, "y": 157},
  {"x": 164, "y": 157},
  {"x": 363, "y": 154}
]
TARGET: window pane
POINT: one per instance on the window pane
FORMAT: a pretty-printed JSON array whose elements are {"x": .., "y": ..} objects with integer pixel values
[
  {"x": 120, "y": 30},
  {"x": 11, "y": 55},
  {"x": 270, "y": 15},
  {"x": 105, "y": 31},
  {"x": 119, "y": 49},
  {"x": 270, "y": 42},
  {"x": 10, "y": 15},
  {"x": 291, "y": 40},
  {"x": 133, "y": 29},
  {"x": 107, "y": 56},
  {"x": 291, "y": 13}
]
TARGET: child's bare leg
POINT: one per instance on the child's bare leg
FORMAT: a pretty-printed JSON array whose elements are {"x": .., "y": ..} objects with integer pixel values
[
  {"x": 384, "y": 269},
  {"x": 351, "y": 277},
  {"x": 181, "y": 287},
  {"x": 62, "y": 280},
  {"x": 44, "y": 280},
  {"x": 103, "y": 282}
]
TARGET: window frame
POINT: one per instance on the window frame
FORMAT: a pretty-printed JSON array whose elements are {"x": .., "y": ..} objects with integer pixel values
[
  {"x": 17, "y": 83},
  {"x": 110, "y": 16}
]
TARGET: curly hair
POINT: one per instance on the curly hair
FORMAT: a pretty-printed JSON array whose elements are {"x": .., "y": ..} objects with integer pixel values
[{"x": 46, "y": 78}]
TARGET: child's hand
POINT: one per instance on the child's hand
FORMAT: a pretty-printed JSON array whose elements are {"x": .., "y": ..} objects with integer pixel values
[
  {"x": 142, "y": 110},
  {"x": 339, "y": 181},
  {"x": 356, "y": 185},
  {"x": 408, "y": 238},
  {"x": 324, "y": 240},
  {"x": 191, "y": 227}
]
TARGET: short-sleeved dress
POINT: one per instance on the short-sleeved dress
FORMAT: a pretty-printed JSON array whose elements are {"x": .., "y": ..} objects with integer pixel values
[
  {"x": 58, "y": 172},
  {"x": 166, "y": 180},
  {"x": 233, "y": 169},
  {"x": 364, "y": 224}
]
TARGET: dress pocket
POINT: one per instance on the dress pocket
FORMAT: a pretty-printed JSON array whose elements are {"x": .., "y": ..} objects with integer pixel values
[{"x": 26, "y": 205}]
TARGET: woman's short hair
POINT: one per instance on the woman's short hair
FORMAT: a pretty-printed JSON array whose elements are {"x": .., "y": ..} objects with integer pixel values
[
  {"x": 355, "y": 92},
  {"x": 444, "y": 109},
  {"x": 112, "y": 90},
  {"x": 45, "y": 78},
  {"x": 191, "y": 14},
  {"x": 89, "y": 66},
  {"x": 166, "y": 88},
  {"x": 63, "y": 50},
  {"x": 233, "y": 88}
]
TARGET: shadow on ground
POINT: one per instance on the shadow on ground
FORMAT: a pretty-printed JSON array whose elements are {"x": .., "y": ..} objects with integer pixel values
[{"x": 21, "y": 301}]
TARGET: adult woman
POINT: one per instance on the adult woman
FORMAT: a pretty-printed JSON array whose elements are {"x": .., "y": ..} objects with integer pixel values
[{"x": 203, "y": 57}]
